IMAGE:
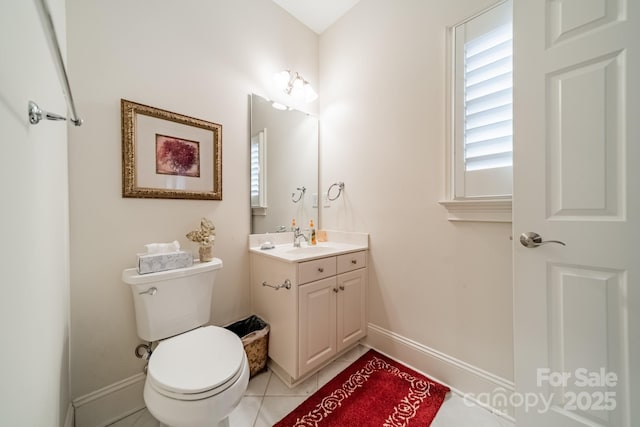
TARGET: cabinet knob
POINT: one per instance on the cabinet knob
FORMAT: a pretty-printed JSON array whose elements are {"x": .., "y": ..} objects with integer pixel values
[
  {"x": 335, "y": 290},
  {"x": 341, "y": 287},
  {"x": 353, "y": 261},
  {"x": 321, "y": 269}
]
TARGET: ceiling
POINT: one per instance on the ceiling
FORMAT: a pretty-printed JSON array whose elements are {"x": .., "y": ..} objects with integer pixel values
[{"x": 317, "y": 14}]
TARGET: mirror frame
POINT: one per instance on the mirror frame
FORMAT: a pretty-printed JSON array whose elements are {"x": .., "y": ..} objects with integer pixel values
[{"x": 299, "y": 197}]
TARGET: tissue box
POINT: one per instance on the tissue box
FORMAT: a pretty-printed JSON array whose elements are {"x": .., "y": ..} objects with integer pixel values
[{"x": 161, "y": 262}]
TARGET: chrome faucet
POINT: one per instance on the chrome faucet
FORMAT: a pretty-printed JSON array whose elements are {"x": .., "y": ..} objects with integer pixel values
[{"x": 296, "y": 235}]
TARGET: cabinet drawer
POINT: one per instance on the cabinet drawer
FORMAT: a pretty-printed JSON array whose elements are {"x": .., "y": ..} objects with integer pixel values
[
  {"x": 316, "y": 269},
  {"x": 352, "y": 261}
]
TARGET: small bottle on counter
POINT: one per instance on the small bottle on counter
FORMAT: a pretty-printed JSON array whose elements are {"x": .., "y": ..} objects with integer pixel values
[
  {"x": 293, "y": 224},
  {"x": 312, "y": 233}
]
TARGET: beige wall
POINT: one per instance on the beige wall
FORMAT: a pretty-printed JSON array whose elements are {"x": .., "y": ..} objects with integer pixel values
[
  {"x": 34, "y": 256},
  {"x": 444, "y": 285},
  {"x": 200, "y": 58}
]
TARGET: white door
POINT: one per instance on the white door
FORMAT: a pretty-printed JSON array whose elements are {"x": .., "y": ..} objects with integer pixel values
[{"x": 577, "y": 180}]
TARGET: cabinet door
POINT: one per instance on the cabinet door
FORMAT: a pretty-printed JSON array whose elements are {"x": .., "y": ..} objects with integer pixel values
[
  {"x": 351, "y": 310},
  {"x": 317, "y": 313}
]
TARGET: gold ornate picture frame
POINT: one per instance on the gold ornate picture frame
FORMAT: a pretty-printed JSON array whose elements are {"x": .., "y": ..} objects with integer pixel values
[{"x": 167, "y": 155}]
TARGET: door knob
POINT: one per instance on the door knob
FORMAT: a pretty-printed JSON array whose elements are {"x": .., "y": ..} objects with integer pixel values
[{"x": 533, "y": 240}]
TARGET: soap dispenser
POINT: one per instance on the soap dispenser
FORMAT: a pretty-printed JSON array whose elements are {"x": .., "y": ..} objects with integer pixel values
[{"x": 312, "y": 233}]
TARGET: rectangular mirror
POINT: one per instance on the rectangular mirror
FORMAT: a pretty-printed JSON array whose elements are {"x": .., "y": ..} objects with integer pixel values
[{"x": 284, "y": 167}]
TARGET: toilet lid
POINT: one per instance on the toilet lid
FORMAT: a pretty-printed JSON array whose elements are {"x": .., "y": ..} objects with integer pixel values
[{"x": 196, "y": 361}]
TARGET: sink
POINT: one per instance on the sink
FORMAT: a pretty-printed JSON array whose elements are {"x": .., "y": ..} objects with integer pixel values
[{"x": 311, "y": 250}]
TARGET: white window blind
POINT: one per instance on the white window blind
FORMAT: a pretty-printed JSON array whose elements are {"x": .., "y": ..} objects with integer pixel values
[
  {"x": 255, "y": 173},
  {"x": 259, "y": 170},
  {"x": 488, "y": 100},
  {"x": 483, "y": 112}
]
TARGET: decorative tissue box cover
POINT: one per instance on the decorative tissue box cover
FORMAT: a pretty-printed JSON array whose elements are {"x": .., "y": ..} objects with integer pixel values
[{"x": 161, "y": 262}]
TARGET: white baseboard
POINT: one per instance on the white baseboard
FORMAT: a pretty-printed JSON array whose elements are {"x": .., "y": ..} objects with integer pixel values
[
  {"x": 68, "y": 421},
  {"x": 470, "y": 382},
  {"x": 111, "y": 403}
]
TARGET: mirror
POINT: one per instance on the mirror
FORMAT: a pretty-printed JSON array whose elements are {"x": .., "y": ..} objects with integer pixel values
[{"x": 284, "y": 167}]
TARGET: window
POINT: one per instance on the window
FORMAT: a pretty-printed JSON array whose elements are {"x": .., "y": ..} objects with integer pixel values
[
  {"x": 259, "y": 172},
  {"x": 482, "y": 114}
]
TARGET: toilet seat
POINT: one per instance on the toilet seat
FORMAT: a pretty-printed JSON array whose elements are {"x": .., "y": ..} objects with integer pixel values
[{"x": 197, "y": 364}]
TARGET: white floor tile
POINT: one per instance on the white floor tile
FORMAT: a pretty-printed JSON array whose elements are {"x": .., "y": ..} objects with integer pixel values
[
  {"x": 258, "y": 384},
  {"x": 505, "y": 423},
  {"x": 327, "y": 373},
  {"x": 454, "y": 412},
  {"x": 246, "y": 412},
  {"x": 277, "y": 388},
  {"x": 141, "y": 418},
  {"x": 353, "y": 354},
  {"x": 274, "y": 408}
]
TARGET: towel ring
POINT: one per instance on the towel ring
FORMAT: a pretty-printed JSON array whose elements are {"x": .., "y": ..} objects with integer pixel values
[
  {"x": 340, "y": 186},
  {"x": 302, "y": 190}
]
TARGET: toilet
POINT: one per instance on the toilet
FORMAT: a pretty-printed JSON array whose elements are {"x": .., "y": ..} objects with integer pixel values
[{"x": 197, "y": 374}]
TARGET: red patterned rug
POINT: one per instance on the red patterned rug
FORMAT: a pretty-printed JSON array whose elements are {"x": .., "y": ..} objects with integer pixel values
[{"x": 373, "y": 391}]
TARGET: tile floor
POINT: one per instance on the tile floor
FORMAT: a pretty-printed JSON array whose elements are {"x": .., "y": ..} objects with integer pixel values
[{"x": 268, "y": 399}]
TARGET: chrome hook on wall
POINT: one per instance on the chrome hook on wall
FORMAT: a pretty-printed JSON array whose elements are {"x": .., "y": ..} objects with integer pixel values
[
  {"x": 302, "y": 190},
  {"x": 340, "y": 186}
]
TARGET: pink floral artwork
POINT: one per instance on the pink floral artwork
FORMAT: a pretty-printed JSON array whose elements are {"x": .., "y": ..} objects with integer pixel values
[{"x": 175, "y": 156}]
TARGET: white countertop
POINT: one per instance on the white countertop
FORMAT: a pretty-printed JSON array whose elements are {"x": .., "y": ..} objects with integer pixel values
[{"x": 338, "y": 243}]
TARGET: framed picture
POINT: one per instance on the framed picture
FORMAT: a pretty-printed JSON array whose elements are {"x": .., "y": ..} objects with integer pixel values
[{"x": 169, "y": 156}]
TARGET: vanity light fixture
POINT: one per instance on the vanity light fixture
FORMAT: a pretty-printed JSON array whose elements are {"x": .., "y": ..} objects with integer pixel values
[
  {"x": 279, "y": 106},
  {"x": 292, "y": 83}
]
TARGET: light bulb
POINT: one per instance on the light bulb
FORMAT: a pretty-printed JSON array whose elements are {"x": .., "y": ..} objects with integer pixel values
[
  {"x": 298, "y": 83},
  {"x": 310, "y": 95},
  {"x": 293, "y": 84},
  {"x": 279, "y": 106},
  {"x": 281, "y": 79}
]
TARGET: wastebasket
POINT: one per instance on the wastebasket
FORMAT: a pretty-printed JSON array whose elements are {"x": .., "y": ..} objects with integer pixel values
[{"x": 254, "y": 333}]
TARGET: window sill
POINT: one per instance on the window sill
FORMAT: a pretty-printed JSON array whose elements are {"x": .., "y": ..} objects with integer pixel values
[
  {"x": 496, "y": 210},
  {"x": 259, "y": 211}
]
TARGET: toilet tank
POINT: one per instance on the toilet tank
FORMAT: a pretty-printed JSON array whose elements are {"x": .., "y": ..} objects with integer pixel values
[{"x": 171, "y": 302}]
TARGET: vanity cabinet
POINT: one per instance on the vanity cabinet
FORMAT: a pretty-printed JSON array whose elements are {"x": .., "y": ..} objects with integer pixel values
[
  {"x": 331, "y": 311},
  {"x": 318, "y": 318}
]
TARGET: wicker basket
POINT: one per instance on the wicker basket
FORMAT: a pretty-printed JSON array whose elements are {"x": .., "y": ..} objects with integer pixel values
[{"x": 254, "y": 333}]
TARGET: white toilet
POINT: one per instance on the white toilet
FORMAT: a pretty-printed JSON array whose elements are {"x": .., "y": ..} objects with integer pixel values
[{"x": 196, "y": 375}]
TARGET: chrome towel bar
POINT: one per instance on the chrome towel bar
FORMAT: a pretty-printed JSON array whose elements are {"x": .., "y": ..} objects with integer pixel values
[
  {"x": 286, "y": 285},
  {"x": 35, "y": 113}
]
